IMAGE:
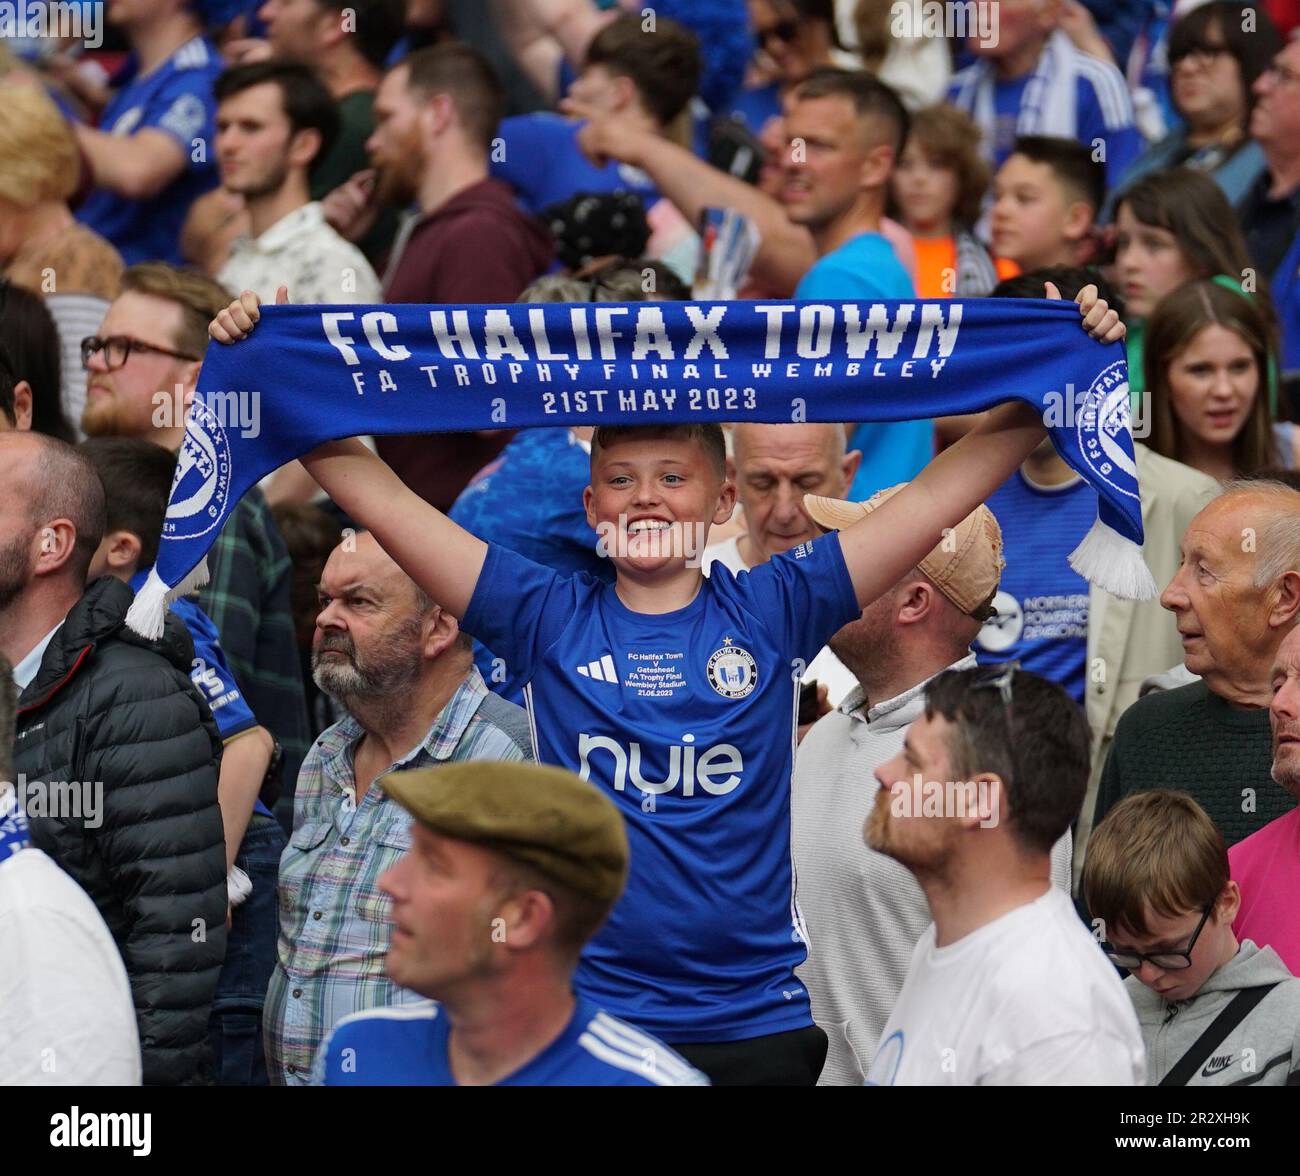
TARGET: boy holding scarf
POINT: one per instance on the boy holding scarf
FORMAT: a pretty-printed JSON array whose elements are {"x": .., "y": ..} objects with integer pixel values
[{"x": 677, "y": 694}]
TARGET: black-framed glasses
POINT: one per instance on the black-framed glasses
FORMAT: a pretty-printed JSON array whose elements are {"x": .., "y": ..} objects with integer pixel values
[
  {"x": 117, "y": 350},
  {"x": 1203, "y": 53},
  {"x": 1166, "y": 961}
]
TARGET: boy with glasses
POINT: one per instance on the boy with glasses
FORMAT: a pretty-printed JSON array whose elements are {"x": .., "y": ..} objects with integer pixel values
[
  {"x": 1213, "y": 1011},
  {"x": 1004, "y": 988}
]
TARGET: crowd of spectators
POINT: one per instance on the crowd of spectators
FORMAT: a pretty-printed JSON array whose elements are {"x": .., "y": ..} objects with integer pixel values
[{"x": 324, "y": 830}]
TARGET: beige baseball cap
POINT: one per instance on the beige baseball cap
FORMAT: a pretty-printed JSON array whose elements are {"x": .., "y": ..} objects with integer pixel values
[{"x": 965, "y": 566}]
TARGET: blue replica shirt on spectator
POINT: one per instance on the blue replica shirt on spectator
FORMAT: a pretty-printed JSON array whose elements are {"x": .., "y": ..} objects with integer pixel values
[
  {"x": 1123, "y": 145},
  {"x": 1006, "y": 113},
  {"x": 543, "y": 163},
  {"x": 865, "y": 268},
  {"x": 1286, "y": 297},
  {"x": 1042, "y": 602},
  {"x": 407, "y": 1046},
  {"x": 210, "y": 672},
  {"x": 176, "y": 98},
  {"x": 530, "y": 500},
  {"x": 686, "y": 720},
  {"x": 1068, "y": 93}
]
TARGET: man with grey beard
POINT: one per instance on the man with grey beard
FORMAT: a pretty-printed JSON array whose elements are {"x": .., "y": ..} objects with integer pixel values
[{"x": 400, "y": 667}]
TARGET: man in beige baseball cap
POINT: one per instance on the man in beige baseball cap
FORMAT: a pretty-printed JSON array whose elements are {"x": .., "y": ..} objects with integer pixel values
[
  {"x": 966, "y": 564},
  {"x": 512, "y": 868},
  {"x": 865, "y": 912}
]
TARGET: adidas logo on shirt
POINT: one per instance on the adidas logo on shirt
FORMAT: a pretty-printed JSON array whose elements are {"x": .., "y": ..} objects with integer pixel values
[{"x": 602, "y": 670}]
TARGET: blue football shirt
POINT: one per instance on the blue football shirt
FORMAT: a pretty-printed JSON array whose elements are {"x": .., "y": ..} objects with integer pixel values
[
  {"x": 862, "y": 269},
  {"x": 175, "y": 98},
  {"x": 686, "y": 720},
  {"x": 530, "y": 500},
  {"x": 407, "y": 1046},
  {"x": 541, "y": 160},
  {"x": 1103, "y": 112},
  {"x": 1042, "y": 602}
]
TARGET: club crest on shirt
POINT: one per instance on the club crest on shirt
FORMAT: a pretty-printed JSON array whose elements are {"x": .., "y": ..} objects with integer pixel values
[{"x": 732, "y": 671}]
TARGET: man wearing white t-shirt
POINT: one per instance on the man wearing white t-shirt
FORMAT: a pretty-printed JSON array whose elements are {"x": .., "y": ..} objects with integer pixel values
[
  {"x": 773, "y": 467},
  {"x": 1007, "y": 987}
]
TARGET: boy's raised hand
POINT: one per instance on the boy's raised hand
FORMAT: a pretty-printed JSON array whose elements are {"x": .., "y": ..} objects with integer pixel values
[
  {"x": 238, "y": 319},
  {"x": 1099, "y": 320}
]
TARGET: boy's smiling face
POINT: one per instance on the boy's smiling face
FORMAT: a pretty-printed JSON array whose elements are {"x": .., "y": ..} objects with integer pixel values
[{"x": 653, "y": 499}]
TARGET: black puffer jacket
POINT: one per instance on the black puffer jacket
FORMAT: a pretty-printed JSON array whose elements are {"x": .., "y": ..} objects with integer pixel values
[{"x": 118, "y": 711}]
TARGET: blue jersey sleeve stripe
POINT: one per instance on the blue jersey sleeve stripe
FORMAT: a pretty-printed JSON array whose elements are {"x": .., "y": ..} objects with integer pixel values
[
  {"x": 1112, "y": 97},
  {"x": 621, "y": 1061},
  {"x": 622, "y": 1036}
]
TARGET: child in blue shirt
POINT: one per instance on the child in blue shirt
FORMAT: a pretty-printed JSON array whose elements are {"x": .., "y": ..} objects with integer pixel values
[{"x": 677, "y": 696}]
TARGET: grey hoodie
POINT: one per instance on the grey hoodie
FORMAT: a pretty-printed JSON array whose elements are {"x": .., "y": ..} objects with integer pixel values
[{"x": 1263, "y": 1050}]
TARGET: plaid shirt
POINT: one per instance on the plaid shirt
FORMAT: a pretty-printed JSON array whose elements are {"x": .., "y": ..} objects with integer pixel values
[
  {"x": 248, "y": 600},
  {"x": 334, "y": 920}
]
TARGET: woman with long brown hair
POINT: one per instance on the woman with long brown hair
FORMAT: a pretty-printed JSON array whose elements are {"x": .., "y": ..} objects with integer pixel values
[
  {"x": 1209, "y": 350},
  {"x": 1173, "y": 227}
]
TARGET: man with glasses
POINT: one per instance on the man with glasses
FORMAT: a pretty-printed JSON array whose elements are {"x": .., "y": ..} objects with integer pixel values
[
  {"x": 141, "y": 369},
  {"x": 1006, "y": 988},
  {"x": 1214, "y": 1011},
  {"x": 1270, "y": 211}
]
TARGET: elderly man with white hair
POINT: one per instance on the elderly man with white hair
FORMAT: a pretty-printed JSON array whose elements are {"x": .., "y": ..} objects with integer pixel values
[
  {"x": 773, "y": 467},
  {"x": 1236, "y": 596}
]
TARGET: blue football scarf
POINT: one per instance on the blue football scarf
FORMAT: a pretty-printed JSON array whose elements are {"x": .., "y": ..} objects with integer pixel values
[{"x": 311, "y": 374}]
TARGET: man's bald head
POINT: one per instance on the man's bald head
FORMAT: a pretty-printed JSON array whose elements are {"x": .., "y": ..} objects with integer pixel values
[
  {"x": 1270, "y": 512},
  {"x": 831, "y": 440},
  {"x": 1236, "y": 593},
  {"x": 776, "y": 465},
  {"x": 54, "y": 482},
  {"x": 359, "y": 560}
]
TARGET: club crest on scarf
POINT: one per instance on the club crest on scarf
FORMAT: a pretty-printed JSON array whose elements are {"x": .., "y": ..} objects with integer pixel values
[
  {"x": 1102, "y": 427},
  {"x": 201, "y": 485}
]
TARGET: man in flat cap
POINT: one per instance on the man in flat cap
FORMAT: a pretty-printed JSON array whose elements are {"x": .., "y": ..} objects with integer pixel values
[
  {"x": 865, "y": 911},
  {"x": 512, "y": 868}
]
